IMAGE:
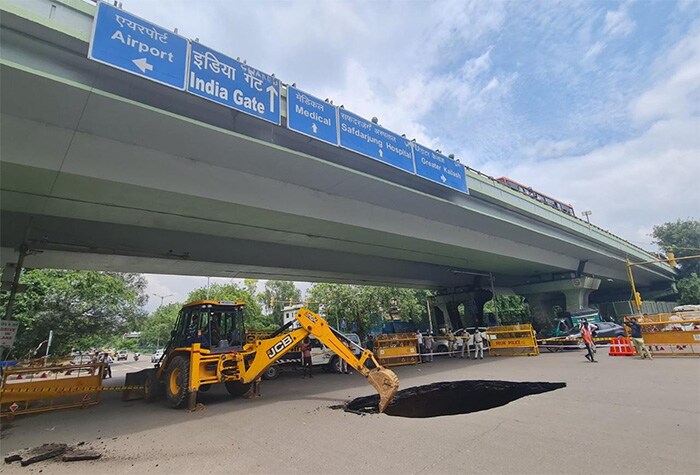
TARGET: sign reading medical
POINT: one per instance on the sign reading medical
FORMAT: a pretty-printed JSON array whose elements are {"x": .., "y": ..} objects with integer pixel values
[
  {"x": 221, "y": 79},
  {"x": 8, "y": 333},
  {"x": 374, "y": 141},
  {"x": 311, "y": 116},
  {"x": 127, "y": 42},
  {"x": 439, "y": 168}
]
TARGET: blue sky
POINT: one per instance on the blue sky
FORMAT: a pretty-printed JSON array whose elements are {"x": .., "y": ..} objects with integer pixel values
[{"x": 596, "y": 103}]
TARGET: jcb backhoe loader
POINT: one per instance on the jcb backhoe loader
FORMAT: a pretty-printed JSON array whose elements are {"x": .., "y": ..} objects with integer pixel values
[{"x": 207, "y": 347}]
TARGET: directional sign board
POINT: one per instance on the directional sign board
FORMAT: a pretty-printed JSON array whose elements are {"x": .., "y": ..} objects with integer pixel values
[
  {"x": 374, "y": 141},
  {"x": 221, "y": 79},
  {"x": 311, "y": 116},
  {"x": 127, "y": 42},
  {"x": 8, "y": 332},
  {"x": 439, "y": 168}
]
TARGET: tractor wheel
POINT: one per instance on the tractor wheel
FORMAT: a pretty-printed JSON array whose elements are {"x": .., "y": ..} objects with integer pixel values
[
  {"x": 334, "y": 364},
  {"x": 152, "y": 389},
  {"x": 236, "y": 388},
  {"x": 177, "y": 380}
]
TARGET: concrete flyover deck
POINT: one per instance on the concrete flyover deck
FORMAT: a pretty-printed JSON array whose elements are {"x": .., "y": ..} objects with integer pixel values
[{"x": 104, "y": 170}]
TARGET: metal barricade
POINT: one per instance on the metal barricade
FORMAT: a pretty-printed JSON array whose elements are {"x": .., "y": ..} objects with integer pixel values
[
  {"x": 397, "y": 349},
  {"x": 512, "y": 340},
  {"x": 40, "y": 385},
  {"x": 672, "y": 334}
]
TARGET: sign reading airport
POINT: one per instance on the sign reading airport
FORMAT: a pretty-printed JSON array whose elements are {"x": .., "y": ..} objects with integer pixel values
[
  {"x": 311, "y": 116},
  {"x": 374, "y": 141},
  {"x": 221, "y": 79},
  {"x": 439, "y": 168},
  {"x": 129, "y": 43}
]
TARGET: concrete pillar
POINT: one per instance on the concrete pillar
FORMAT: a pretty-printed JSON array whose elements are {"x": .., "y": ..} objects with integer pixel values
[{"x": 578, "y": 291}]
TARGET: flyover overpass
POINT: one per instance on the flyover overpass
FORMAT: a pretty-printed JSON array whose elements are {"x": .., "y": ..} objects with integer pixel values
[{"x": 105, "y": 170}]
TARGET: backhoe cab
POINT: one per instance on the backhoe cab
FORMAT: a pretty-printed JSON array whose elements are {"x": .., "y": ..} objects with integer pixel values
[{"x": 207, "y": 347}]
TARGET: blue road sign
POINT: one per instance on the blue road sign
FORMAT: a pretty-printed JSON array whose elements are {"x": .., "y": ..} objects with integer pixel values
[
  {"x": 129, "y": 43},
  {"x": 311, "y": 116},
  {"x": 221, "y": 79},
  {"x": 439, "y": 168},
  {"x": 374, "y": 141}
]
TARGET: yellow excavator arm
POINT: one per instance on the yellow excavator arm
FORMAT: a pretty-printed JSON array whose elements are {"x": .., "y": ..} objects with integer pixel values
[{"x": 266, "y": 352}]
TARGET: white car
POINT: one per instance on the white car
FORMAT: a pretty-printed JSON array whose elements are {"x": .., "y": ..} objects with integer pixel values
[{"x": 155, "y": 357}]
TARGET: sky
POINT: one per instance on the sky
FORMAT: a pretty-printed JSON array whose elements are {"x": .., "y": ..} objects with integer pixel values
[{"x": 594, "y": 103}]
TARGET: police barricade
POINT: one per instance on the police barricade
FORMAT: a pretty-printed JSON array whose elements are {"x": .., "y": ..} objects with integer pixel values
[
  {"x": 397, "y": 349},
  {"x": 512, "y": 340},
  {"x": 673, "y": 334},
  {"x": 40, "y": 385}
]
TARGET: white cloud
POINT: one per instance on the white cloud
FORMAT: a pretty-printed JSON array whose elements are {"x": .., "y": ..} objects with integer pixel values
[
  {"x": 594, "y": 50},
  {"x": 543, "y": 149},
  {"x": 618, "y": 23}
]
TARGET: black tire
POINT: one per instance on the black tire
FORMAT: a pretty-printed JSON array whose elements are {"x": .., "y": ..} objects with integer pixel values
[
  {"x": 334, "y": 364},
  {"x": 236, "y": 388},
  {"x": 153, "y": 390},
  {"x": 177, "y": 380},
  {"x": 272, "y": 372}
]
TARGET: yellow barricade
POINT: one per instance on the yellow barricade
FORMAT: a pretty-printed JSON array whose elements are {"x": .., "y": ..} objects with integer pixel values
[
  {"x": 397, "y": 349},
  {"x": 512, "y": 340},
  {"x": 671, "y": 334},
  {"x": 38, "y": 386}
]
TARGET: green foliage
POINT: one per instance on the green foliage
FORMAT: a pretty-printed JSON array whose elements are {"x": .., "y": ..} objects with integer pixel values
[
  {"x": 512, "y": 309},
  {"x": 83, "y": 308},
  {"x": 277, "y": 295},
  {"x": 361, "y": 305},
  {"x": 683, "y": 239},
  {"x": 689, "y": 290},
  {"x": 157, "y": 328}
]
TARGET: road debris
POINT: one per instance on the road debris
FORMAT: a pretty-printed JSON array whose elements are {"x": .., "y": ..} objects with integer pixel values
[{"x": 53, "y": 451}]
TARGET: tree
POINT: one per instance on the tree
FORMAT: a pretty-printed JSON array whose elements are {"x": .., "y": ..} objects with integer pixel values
[
  {"x": 83, "y": 308},
  {"x": 157, "y": 328},
  {"x": 511, "y": 309},
  {"x": 683, "y": 239},
  {"x": 278, "y": 294},
  {"x": 357, "y": 307}
]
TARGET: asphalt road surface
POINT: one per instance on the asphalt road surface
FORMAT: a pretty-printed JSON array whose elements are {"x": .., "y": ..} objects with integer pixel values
[{"x": 622, "y": 415}]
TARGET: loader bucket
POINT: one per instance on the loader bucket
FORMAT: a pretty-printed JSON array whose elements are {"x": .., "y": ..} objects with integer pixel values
[
  {"x": 386, "y": 383},
  {"x": 135, "y": 383}
]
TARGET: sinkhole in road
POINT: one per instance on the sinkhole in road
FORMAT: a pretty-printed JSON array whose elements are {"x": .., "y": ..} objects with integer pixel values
[{"x": 451, "y": 398}]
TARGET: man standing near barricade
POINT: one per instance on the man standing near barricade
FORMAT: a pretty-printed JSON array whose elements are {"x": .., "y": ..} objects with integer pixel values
[
  {"x": 421, "y": 343},
  {"x": 465, "y": 344},
  {"x": 478, "y": 344},
  {"x": 429, "y": 343},
  {"x": 637, "y": 339},
  {"x": 451, "y": 339}
]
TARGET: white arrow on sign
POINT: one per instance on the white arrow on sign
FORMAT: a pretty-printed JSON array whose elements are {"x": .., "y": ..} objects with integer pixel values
[
  {"x": 442, "y": 177},
  {"x": 314, "y": 128},
  {"x": 273, "y": 92},
  {"x": 381, "y": 154},
  {"x": 143, "y": 65}
]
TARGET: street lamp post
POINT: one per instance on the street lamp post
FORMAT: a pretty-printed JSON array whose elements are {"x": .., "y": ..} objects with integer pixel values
[
  {"x": 162, "y": 297},
  {"x": 587, "y": 214}
]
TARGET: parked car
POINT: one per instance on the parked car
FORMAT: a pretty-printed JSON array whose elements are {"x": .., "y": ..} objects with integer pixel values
[
  {"x": 155, "y": 357},
  {"x": 122, "y": 355},
  {"x": 605, "y": 330}
]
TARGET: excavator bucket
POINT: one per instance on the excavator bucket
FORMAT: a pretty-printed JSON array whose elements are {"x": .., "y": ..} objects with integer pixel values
[
  {"x": 134, "y": 383},
  {"x": 386, "y": 383}
]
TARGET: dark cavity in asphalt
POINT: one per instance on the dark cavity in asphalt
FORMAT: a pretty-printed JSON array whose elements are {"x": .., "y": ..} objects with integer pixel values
[{"x": 450, "y": 398}]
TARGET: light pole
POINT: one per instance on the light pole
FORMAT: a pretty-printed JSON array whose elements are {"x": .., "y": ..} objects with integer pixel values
[
  {"x": 162, "y": 297},
  {"x": 587, "y": 214}
]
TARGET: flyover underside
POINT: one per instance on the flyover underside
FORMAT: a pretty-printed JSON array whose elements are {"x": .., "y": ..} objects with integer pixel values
[{"x": 84, "y": 170}]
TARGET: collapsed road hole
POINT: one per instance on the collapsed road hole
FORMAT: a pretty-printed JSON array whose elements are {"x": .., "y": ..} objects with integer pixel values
[{"x": 451, "y": 398}]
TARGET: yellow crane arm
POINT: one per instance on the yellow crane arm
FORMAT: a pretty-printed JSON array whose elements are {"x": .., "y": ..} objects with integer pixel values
[{"x": 259, "y": 355}]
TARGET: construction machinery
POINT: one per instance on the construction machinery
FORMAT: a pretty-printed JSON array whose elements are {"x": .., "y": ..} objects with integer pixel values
[{"x": 207, "y": 346}]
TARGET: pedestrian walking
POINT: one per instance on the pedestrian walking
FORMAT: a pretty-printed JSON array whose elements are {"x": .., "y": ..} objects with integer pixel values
[
  {"x": 429, "y": 343},
  {"x": 478, "y": 344},
  {"x": 637, "y": 339},
  {"x": 451, "y": 339},
  {"x": 306, "y": 357},
  {"x": 588, "y": 341}
]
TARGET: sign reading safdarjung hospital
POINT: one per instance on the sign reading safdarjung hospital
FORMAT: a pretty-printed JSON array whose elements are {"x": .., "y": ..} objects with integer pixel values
[
  {"x": 129, "y": 43},
  {"x": 438, "y": 168},
  {"x": 374, "y": 141},
  {"x": 311, "y": 116},
  {"x": 221, "y": 79}
]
